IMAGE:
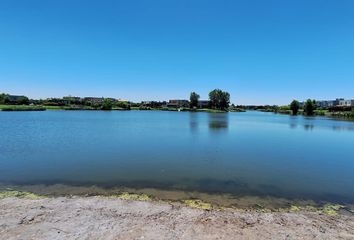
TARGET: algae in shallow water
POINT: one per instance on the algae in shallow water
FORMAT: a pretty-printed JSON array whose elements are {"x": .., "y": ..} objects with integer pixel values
[
  {"x": 19, "y": 194},
  {"x": 198, "y": 204},
  {"x": 331, "y": 209},
  {"x": 294, "y": 209},
  {"x": 134, "y": 196}
]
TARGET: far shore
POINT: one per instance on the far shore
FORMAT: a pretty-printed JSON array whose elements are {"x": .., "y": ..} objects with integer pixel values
[
  {"x": 85, "y": 108},
  {"x": 29, "y": 216}
]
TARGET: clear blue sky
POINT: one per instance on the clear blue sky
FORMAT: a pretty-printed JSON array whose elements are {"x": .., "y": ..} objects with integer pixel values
[{"x": 262, "y": 52}]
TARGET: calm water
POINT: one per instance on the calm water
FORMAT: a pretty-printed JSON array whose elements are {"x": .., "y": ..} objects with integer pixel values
[{"x": 248, "y": 153}]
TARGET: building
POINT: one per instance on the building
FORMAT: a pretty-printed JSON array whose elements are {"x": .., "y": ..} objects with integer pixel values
[
  {"x": 346, "y": 103},
  {"x": 176, "y": 103},
  {"x": 325, "y": 104},
  {"x": 339, "y": 102},
  {"x": 203, "y": 104}
]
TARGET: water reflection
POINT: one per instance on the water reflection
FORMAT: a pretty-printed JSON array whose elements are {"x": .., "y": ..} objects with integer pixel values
[
  {"x": 308, "y": 127},
  {"x": 193, "y": 121},
  {"x": 218, "y": 121}
]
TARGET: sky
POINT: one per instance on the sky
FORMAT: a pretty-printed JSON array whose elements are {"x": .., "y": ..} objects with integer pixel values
[{"x": 261, "y": 52}]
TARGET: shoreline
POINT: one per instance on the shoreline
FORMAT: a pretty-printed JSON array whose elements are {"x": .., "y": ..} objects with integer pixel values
[
  {"x": 97, "y": 217},
  {"x": 209, "y": 201}
]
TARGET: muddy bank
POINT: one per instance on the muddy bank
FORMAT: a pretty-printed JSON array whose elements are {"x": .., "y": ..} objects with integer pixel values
[{"x": 30, "y": 217}]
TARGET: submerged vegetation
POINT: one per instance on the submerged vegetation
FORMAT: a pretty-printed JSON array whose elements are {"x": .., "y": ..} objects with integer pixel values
[{"x": 196, "y": 203}]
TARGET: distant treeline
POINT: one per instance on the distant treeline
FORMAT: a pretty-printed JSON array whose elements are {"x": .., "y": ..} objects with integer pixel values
[{"x": 308, "y": 108}]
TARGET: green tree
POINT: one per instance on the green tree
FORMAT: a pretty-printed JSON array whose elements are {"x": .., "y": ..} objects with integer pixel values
[
  {"x": 4, "y": 98},
  {"x": 107, "y": 104},
  {"x": 194, "y": 98},
  {"x": 219, "y": 99},
  {"x": 294, "y": 107},
  {"x": 23, "y": 100},
  {"x": 310, "y": 107},
  {"x": 225, "y": 100}
]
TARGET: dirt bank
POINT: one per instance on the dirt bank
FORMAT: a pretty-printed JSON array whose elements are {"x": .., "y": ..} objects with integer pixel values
[{"x": 112, "y": 218}]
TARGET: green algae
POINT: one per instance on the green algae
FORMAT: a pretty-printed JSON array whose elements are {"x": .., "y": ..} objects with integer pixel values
[
  {"x": 196, "y": 203},
  {"x": 19, "y": 194},
  {"x": 133, "y": 196},
  {"x": 330, "y": 209},
  {"x": 294, "y": 209}
]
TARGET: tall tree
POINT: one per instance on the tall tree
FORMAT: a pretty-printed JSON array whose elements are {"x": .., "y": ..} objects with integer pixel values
[
  {"x": 309, "y": 107},
  {"x": 23, "y": 100},
  {"x": 107, "y": 104},
  {"x": 294, "y": 106},
  {"x": 225, "y": 100},
  {"x": 219, "y": 99},
  {"x": 194, "y": 98}
]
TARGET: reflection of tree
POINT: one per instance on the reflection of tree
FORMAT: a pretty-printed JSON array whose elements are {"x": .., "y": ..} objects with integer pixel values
[
  {"x": 218, "y": 121},
  {"x": 193, "y": 121},
  {"x": 308, "y": 127}
]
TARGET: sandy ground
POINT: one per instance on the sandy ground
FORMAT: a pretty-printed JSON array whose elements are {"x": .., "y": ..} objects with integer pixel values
[{"x": 108, "y": 218}]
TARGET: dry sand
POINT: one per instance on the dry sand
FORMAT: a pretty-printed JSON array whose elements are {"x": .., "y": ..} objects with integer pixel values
[{"x": 112, "y": 218}]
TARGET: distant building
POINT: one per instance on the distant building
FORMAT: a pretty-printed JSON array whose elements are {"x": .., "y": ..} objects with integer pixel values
[
  {"x": 325, "y": 104},
  {"x": 176, "y": 103},
  {"x": 339, "y": 102},
  {"x": 203, "y": 103},
  {"x": 346, "y": 103}
]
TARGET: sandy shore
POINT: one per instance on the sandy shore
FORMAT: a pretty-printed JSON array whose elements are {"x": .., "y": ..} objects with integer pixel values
[{"x": 112, "y": 218}]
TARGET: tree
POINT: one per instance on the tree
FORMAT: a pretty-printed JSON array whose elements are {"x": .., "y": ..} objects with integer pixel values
[
  {"x": 309, "y": 107},
  {"x": 4, "y": 98},
  {"x": 194, "y": 98},
  {"x": 23, "y": 100},
  {"x": 294, "y": 106},
  {"x": 107, "y": 104},
  {"x": 219, "y": 99},
  {"x": 225, "y": 100}
]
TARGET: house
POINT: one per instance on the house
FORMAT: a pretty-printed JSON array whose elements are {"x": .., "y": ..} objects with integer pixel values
[
  {"x": 346, "y": 103},
  {"x": 176, "y": 103},
  {"x": 325, "y": 104},
  {"x": 203, "y": 103},
  {"x": 339, "y": 102}
]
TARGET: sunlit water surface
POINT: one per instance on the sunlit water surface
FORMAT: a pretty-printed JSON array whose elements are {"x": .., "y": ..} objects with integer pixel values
[{"x": 242, "y": 154}]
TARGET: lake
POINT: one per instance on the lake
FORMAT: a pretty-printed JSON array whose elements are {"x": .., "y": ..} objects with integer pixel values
[{"x": 242, "y": 154}]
